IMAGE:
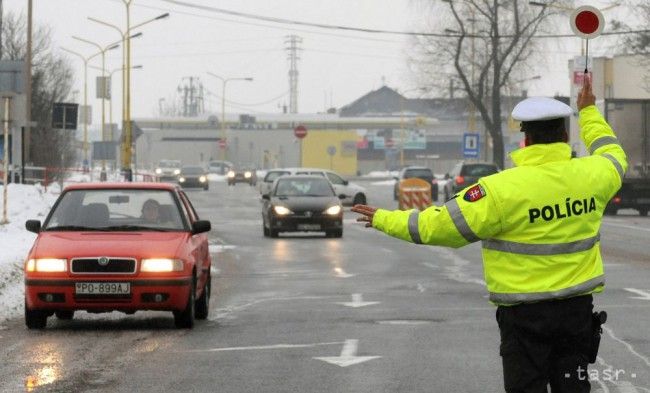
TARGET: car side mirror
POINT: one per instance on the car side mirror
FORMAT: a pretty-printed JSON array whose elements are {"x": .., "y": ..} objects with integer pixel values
[
  {"x": 342, "y": 196},
  {"x": 345, "y": 182},
  {"x": 266, "y": 197},
  {"x": 201, "y": 226},
  {"x": 33, "y": 225}
]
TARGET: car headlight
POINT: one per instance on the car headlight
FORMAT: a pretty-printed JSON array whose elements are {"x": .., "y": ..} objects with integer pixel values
[
  {"x": 161, "y": 265},
  {"x": 47, "y": 265},
  {"x": 247, "y": 175},
  {"x": 231, "y": 174},
  {"x": 281, "y": 210},
  {"x": 177, "y": 171},
  {"x": 158, "y": 171},
  {"x": 181, "y": 179},
  {"x": 333, "y": 211},
  {"x": 202, "y": 179}
]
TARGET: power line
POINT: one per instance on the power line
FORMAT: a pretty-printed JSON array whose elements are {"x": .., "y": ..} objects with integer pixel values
[{"x": 255, "y": 104}]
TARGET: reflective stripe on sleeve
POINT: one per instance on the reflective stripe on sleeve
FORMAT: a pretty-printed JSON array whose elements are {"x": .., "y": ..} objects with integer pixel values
[
  {"x": 459, "y": 221},
  {"x": 541, "y": 249},
  {"x": 617, "y": 164},
  {"x": 600, "y": 142},
  {"x": 413, "y": 227},
  {"x": 515, "y": 298}
]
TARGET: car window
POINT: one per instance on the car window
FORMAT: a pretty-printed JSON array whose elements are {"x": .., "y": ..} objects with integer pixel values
[
  {"x": 455, "y": 171},
  {"x": 335, "y": 179},
  {"x": 418, "y": 173},
  {"x": 104, "y": 208},
  {"x": 478, "y": 170},
  {"x": 271, "y": 176},
  {"x": 303, "y": 187},
  {"x": 192, "y": 170}
]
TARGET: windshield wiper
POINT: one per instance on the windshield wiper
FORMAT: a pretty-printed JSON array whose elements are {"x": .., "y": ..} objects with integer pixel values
[
  {"x": 74, "y": 228},
  {"x": 137, "y": 228}
]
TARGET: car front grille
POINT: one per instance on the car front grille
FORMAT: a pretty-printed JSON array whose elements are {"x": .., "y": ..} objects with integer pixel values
[{"x": 93, "y": 266}]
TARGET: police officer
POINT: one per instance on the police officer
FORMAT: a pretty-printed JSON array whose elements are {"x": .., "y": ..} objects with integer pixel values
[{"x": 538, "y": 223}]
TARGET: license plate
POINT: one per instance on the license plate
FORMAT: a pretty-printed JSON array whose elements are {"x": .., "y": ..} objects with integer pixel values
[
  {"x": 102, "y": 288},
  {"x": 309, "y": 227}
]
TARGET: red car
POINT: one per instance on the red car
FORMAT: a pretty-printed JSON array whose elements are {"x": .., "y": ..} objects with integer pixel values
[{"x": 119, "y": 246}]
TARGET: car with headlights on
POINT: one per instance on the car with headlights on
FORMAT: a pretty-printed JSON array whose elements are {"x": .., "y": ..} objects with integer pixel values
[
  {"x": 168, "y": 170},
  {"x": 193, "y": 176},
  {"x": 354, "y": 193},
  {"x": 242, "y": 174},
  {"x": 302, "y": 203},
  {"x": 118, "y": 247}
]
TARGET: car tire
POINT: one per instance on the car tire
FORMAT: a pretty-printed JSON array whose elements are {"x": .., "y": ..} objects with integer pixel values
[
  {"x": 185, "y": 319},
  {"x": 359, "y": 199},
  {"x": 64, "y": 315},
  {"x": 273, "y": 233},
  {"x": 203, "y": 302},
  {"x": 35, "y": 319},
  {"x": 611, "y": 211},
  {"x": 265, "y": 230},
  {"x": 206, "y": 188},
  {"x": 395, "y": 194},
  {"x": 335, "y": 233}
]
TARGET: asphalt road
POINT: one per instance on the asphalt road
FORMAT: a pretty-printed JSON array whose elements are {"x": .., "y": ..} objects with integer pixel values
[{"x": 365, "y": 313}]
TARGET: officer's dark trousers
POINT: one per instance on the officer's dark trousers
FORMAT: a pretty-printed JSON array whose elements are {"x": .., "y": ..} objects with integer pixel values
[{"x": 546, "y": 343}]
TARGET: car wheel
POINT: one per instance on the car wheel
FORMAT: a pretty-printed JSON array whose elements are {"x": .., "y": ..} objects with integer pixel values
[
  {"x": 265, "y": 230},
  {"x": 274, "y": 232},
  {"x": 35, "y": 319},
  {"x": 611, "y": 211},
  {"x": 206, "y": 188},
  {"x": 64, "y": 315},
  {"x": 335, "y": 233},
  {"x": 359, "y": 199},
  {"x": 203, "y": 302},
  {"x": 395, "y": 194},
  {"x": 185, "y": 319}
]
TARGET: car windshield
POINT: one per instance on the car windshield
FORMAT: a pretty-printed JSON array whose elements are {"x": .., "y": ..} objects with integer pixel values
[
  {"x": 271, "y": 176},
  {"x": 192, "y": 170},
  {"x": 115, "y": 210},
  {"x": 303, "y": 187},
  {"x": 169, "y": 164},
  {"x": 478, "y": 170},
  {"x": 418, "y": 173}
]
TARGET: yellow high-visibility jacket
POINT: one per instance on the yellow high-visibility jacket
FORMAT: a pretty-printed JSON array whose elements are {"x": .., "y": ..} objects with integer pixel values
[{"x": 538, "y": 222}]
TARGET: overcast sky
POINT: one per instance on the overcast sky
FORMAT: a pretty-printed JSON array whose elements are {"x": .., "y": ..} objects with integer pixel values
[{"x": 336, "y": 67}]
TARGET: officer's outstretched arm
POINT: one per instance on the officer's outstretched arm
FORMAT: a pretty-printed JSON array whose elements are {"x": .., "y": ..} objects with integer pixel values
[{"x": 471, "y": 216}]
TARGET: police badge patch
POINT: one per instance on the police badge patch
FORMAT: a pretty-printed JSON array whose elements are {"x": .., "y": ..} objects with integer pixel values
[{"x": 474, "y": 193}]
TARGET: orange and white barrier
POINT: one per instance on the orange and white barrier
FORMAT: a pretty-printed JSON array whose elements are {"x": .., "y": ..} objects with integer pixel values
[{"x": 414, "y": 194}]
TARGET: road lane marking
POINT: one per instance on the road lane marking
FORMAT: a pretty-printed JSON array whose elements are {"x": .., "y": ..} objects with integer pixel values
[
  {"x": 357, "y": 301},
  {"x": 627, "y": 345},
  {"x": 262, "y": 347},
  {"x": 430, "y": 265},
  {"x": 643, "y": 295},
  {"x": 421, "y": 288},
  {"x": 340, "y": 273},
  {"x": 348, "y": 355}
]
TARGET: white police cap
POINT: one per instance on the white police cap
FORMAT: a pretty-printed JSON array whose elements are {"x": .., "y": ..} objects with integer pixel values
[{"x": 540, "y": 108}]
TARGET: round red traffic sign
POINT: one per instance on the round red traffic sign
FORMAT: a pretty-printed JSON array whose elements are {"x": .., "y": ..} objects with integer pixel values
[
  {"x": 300, "y": 131},
  {"x": 587, "y": 22},
  {"x": 222, "y": 143}
]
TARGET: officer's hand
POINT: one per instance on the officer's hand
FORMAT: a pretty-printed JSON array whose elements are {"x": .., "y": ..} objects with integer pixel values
[
  {"x": 368, "y": 212},
  {"x": 586, "y": 96}
]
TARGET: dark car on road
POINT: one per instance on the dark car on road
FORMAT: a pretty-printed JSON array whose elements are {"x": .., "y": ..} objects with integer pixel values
[
  {"x": 302, "y": 203},
  {"x": 419, "y": 172},
  {"x": 193, "y": 176},
  {"x": 465, "y": 174},
  {"x": 243, "y": 174}
]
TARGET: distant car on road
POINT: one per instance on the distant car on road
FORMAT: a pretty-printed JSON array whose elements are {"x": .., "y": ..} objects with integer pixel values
[
  {"x": 118, "y": 247},
  {"x": 242, "y": 174},
  {"x": 219, "y": 167},
  {"x": 269, "y": 178},
  {"x": 465, "y": 174},
  {"x": 193, "y": 176},
  {"x": 302, "y": 203},
  {"x": 168, "y": 170},
  {"x": 417, "y": 172},
  {"x": 354, "y": 193}
]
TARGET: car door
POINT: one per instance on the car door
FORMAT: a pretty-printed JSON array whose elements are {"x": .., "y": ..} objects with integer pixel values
[
  {"x": 340, "y": 186},
  {"x": 198, "y": 244}
]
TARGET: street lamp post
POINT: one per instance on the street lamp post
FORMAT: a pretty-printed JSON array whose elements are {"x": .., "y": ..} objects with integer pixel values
[
  {"x": 126, "y": 80},
  {"x": 110, "y": 99},
  {"x": 223, "y": 106}
]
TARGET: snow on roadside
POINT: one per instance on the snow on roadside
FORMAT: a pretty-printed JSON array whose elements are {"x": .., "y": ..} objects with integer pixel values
[{"x": 24, "y": 202}]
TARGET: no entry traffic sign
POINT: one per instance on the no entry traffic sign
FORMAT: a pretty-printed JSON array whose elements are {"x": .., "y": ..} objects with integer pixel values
[
  {"x": 300, "y": 131},
  {"x": 587, "y": 22}
]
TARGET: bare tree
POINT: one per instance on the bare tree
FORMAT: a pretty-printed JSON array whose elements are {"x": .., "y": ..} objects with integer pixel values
[
  {"x": 637, "y": 43},
  {"x": 51, "y": 82},
  {"x": 480, "y": 46}
]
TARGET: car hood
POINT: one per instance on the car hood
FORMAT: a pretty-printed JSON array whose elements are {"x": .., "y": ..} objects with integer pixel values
[
  {"x": 306, "y": 203},
  {"x": 114, "y": 244}
]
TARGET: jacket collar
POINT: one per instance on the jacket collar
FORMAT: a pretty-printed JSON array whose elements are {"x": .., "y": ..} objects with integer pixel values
[{"x": 539, "y": 154}]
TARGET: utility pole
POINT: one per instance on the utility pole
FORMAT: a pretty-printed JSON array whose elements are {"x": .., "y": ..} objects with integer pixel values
[
  {"x": 28, "y": 87},
  {"x": 293, "y": 42}
]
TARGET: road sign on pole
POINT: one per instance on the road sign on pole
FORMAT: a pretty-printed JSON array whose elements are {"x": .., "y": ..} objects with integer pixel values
[
  {"x": 470, "y": 145},
  {"x": 300, "y": 131}
]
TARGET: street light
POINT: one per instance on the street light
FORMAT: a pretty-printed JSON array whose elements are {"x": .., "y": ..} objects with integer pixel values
[
  {"x": 85, "y": 61},
  {"x": 110, "y": 99},
  {"x": 126, "y": 80},
  {"x": 223, "y": 105}
]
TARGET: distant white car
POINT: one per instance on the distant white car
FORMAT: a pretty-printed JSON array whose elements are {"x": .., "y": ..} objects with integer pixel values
[
  {"x": 168, "y": 170},
  {"x": 354, "y": 193}
]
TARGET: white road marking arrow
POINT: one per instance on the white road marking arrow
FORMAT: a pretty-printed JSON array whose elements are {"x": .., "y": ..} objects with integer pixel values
[
  {"x": 347, "y": 357},
  {"x": 357, "y": 301},
  {"x": 643, "y": 295}
]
